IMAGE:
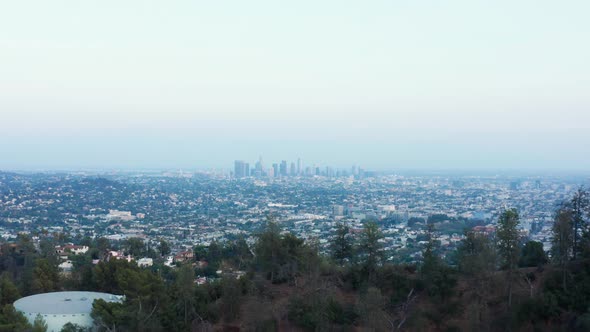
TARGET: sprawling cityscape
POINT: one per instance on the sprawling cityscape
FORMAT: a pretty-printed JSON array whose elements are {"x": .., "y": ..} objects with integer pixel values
[
  {"x": 196, "y": 208},
  {"x": 291, "y": 166}
]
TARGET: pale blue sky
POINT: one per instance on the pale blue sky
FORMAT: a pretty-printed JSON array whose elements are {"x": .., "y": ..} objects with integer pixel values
[{"x": 385, "y": 84}]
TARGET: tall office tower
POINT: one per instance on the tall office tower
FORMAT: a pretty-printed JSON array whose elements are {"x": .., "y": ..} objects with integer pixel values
[
  {"x": 338, "y": 210},
  {"x": 293, "y": 169},
  {"x": 260, "y": 167},
  {"x": 317, "y": 171},
  {"x": 241, "y": 169},
  {"x": 299, "y": 169},
  {"x": 238, "y": 168},
  {"x": 329, "y": 171},
  {"x": 283, "y": 168},
  {"x": 271, "y": 172},
  {"x": 275, "y": 170},
  {"x": 258, "y": 170}
]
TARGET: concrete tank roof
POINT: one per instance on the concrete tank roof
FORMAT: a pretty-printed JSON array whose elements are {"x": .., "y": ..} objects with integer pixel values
[{"x": 63, "y": 302}]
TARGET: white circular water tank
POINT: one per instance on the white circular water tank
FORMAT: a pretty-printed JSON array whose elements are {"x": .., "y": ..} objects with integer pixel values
[{"x": 60, "y": 308}]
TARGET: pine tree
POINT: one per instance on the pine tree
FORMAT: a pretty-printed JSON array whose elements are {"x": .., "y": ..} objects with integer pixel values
[
  {"x": 45, "y": 276},
  {"x": 269, "y": 250},
  {"x": 185, "y": 296},
  {"x": 8, "y": 291},
  {"x": 341, "y": 245},
  {"x": 508, "y": 245},
  {"x": 39, "y": 324},
  {"x": 562, "y": 241},
  {"x": 370, "y": 248}
]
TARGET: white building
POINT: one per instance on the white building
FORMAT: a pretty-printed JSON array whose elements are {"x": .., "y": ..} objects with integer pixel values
[
  {"x": 70, "y": 248},
  {"x": 120, "y": 215},
  {"x": 60, "y": 308},
  {"x": 66, "y": 267},
  {"x": 145, "y": 262}
]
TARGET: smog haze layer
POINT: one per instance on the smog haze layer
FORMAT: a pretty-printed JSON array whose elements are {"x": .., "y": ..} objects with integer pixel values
[{"x": 385, "y": 85}]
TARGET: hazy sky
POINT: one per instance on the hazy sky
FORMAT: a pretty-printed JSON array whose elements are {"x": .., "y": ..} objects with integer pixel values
[{"x": 384, "y": 84}]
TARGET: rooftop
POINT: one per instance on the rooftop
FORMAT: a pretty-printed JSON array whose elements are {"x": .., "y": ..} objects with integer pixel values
[{"x": 62, "y": 302}]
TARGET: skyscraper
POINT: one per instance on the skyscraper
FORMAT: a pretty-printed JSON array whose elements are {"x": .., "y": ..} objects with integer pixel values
[
  {"x": 299, "y": 169},
  {"x": 259, "y": 168},
  {"x": 241, "y": 169},
  {"x": 283, "y": 168},
  {"x": 238, "y": 168}
]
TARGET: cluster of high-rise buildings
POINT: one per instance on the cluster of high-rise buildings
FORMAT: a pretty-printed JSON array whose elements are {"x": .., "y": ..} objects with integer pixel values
[{"x": 242, "y": 169}]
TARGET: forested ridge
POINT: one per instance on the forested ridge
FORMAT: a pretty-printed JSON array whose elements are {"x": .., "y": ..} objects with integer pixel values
[{"x": 492, "y": 282}]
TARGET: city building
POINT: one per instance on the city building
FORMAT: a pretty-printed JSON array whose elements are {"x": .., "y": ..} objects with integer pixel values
[
  {"x": 145, "y": 262},
  {"x": 283, "y": 168},
  {"x": 241, "y": 169},
  {"x": 120, "y": 215},
  {"x": 70, "y": 248}
]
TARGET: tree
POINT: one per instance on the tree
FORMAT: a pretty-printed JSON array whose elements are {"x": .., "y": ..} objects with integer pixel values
[
  {"x": 13, "y": 320},
  {"x": 39, "y": 324},
  {"x": 27, "y": 277},
  {"x": 476, "y": 257},
  {"x": 508, "y": 245},
  {"x": 370, "y": 309},
  {"x": 579, "y": 206},
  {"x": 164, "y": 248},
  {"x": 102, "y": 244},
  {"x": 135, "y": 246},
  {"x": 8, "y": 290},
  {"x": 476, "y": 254},
  {"x": 439, "y": 282},
  {"x": 25, "y": 244},
  {"x": 436, "y": 274},
  {"x": 45, "y": 276},
  {"x": 231, "y": 298},
  {"x": 47, "y": 250},
  {"x": 532, "y": 255},
  {"x": 562, "y": 241},
  {"x": 69, "y": 327},
  {"x": 341, "y": 244},
  {"x": 370, "y": 248},
  {"x": 292, "y": 249},
  {"x": 214, "y": 253},
  {"x": 145, "y": 295},
  {"x": 108, "y": 315},
  {"x": 104, "y": 275},
  {"x": 269, "y": 250},
  {"x": 242, "y": 252},
  {"x": 430, "y": 261},
  {"x": 200, "y": 252},
  {"x": 185, "y": 293}
]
